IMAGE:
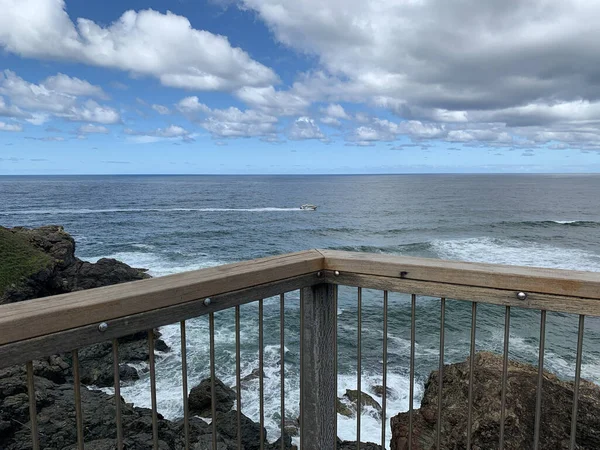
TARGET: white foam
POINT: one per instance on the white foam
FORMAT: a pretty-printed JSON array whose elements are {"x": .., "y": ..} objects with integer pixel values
[
  {"x": 158, "y": 264},
  {"x": 137, "y": 210},
  {"x": 507, "y": 251}
]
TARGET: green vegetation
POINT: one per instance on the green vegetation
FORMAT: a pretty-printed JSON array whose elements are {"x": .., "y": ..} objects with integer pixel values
[{"x": 18, "y": 258}]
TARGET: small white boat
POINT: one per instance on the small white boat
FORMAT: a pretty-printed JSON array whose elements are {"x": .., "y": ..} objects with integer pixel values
[{"x": 308, "y": 207}]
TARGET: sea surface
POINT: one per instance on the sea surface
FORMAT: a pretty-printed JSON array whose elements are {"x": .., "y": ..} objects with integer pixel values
[{"x": 171, "y": 224}]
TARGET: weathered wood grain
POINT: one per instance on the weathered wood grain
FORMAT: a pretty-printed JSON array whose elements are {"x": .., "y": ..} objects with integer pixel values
[
  {"x": 318, "y": 406},
  {"x": 514, "y": 278},
  {"x": 38, "y": 317}
]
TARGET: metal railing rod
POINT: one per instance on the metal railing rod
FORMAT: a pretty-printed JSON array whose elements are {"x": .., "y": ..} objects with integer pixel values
[
  {"x": 213, "y": 394},
  {"x": 413, "y": 307},
  {"x": 504, "y": 375},
  {"x": 117, "y": 384},
  {"x": 359, "y": 368},
  {"x": 261, "y": 382},
  {"x": 35, "y": 437},
  {"x": 77, "y": 392},
  {"x": 184, "y": 382},
  {"x": 282, "y": 364},
  {"x": 471, "y": 370},
  {"x": 153, "y": 389},
  {"x": 573, "y": 439},
  {"x": 384, "y": 370},
  {"x": 540, "y": 383},
  {"x": 238, "y": 376},
  {"x": 301, "y": 368},
  {"x": 335, "y": 365},
  {"x": 441, "y": 371}
]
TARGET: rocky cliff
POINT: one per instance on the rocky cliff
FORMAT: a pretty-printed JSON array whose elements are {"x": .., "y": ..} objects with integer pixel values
[
  {"x": 40, "y": 262},
  {"x": 557, "y": 402}
]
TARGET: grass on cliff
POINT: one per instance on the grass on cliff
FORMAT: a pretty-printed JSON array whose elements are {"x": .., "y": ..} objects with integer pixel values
[{"x": 18, "y": 258}]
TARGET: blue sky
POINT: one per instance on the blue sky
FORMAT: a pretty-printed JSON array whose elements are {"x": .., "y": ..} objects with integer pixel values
[{"x": 302, "y": 86}]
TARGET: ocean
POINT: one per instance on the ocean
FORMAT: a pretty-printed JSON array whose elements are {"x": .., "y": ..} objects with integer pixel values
[{"x": 171, "y": 224}]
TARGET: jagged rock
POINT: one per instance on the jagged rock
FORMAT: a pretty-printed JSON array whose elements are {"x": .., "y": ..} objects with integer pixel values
[
  {"x": 391, "y": 394},
  {"x": 556, "y": 408},
  {"x": 200, "y": 398},
  {"x": 351, "y": 445},
  {"x": 350, "y": 400},
  {"x": 58, "y": 270}
]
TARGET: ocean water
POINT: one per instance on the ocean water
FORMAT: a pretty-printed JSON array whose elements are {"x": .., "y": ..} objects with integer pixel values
[{"x": 171, "y": 224}]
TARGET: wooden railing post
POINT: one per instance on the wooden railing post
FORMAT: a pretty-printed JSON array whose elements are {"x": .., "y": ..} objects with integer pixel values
[{"x": 318, "y": 392}]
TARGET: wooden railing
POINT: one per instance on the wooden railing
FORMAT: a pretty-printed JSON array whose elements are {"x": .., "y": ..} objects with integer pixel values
[{"x": 65, "y": 323}]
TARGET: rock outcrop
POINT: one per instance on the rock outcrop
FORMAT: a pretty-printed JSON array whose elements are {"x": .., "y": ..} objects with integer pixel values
[
  {"x": 200, "y": 398},
  {"x": 41, "y": 262},
  {"x": 557, "y": 401}
]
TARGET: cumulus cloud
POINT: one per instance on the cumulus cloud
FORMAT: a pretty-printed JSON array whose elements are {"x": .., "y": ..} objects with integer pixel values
[
  {"x": 10, "y": 127},
  {"x": 161, "y": 109},
  {"x": 305, "y": 128},
  {"x": 92, "y": 129},
  {"x": 172, "y": 131},
  {"x": 271, "y": 101},
  {"x": 230, "y": 122},
  {"x": 516, "y": 64},
  {"x": 165, "y": 46},
  {"x": 57, "y": 95}
]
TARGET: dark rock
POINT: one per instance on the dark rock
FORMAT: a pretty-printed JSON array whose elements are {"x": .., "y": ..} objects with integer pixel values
[
  {"x": 351, "y": 445},
  {"x": 64, "y": 271},
  {"x": 557, "y": 399},
  {"x": 391, "y": 394},
  {"x": 227, "y": 427},
  {"x": 351, "y": 402},
  {"x": 200, "y": 399}
]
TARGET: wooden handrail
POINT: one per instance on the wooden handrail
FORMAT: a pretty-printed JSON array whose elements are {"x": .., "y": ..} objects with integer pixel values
[{"x": 40, "y": 317}]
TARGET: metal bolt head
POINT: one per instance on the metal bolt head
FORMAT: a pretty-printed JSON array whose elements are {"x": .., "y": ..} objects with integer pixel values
[
  {"x": 319, "y": 274},
  {"x": 206, "y": 301},
  {"x": 522, "y": 296},
  {"x": 336, "y": 273},
  {"x": 102, "y": 327}
]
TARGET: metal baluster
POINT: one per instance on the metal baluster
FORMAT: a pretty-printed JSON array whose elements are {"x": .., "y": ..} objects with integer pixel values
[
  {"x": 282, "y": 364},
  {"x": 335, "y": 365},
  {"x": 261, "y": 387},
  {"x": 238, "y": 377},
  {"x": 301, "y": 367},
  {"x": 77, "y": 392},
  {"x": 577, "y": 380},
  {"x": 35, "y": 438},
  {"x": 504, "y": 375},
  {"x": 538, "y": 398},
  {"x": 117, "y": 383},
  {"x": 359, "y": 369},
  {"x": 441, "y": 371},
  {"x": 384, "y": 381},
  {"x": 153, "y": 389},
  {"x": 471, "y": 370},
  {"x": 184, "y": 378},
  {"x": 413, "y": 307},
  {"x": 213, "y": 400}
]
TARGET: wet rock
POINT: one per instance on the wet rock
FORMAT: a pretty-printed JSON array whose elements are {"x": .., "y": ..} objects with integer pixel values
[
  {"x": 62, "y": 271},
  {"x": 351, "y": 401},
  {"x": 557, "y": 402},
  {"x": 351, "y": 445},
  {"x": 377, "y": 389},
  {"x": 200, "y": 399}
]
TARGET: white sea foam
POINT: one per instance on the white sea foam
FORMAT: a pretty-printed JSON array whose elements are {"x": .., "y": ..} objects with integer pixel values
[
  {"x": 507, "y": 251},
  {"x": 158, "y": 264},
  {"x": 137, "y": 210}
]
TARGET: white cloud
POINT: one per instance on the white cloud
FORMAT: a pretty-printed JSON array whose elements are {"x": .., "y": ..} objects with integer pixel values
[
  {"x": 305, "y": 128},
  {"x": 331, "y": 121},
  {"x": 163, "y": 110},
  {"x": 10, "y": 127},
  {"x": 91, "y": 111},
  {"x": 92, "y": 129},
  {"x": 171, "y": 133},
  {"x": 336, "y": 111},
  {"x": 147, "y": 42},
  {"x": 74, "y": 86},
  {"x": 191, "y": 105},
  {"x": 270, "y": 101}
]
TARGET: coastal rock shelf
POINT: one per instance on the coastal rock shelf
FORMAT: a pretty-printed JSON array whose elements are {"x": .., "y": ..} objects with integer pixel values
[{"x": 557, "y": 403}]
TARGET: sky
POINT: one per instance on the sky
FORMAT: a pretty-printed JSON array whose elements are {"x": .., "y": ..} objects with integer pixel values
[{"x": 299, "y": 86}]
